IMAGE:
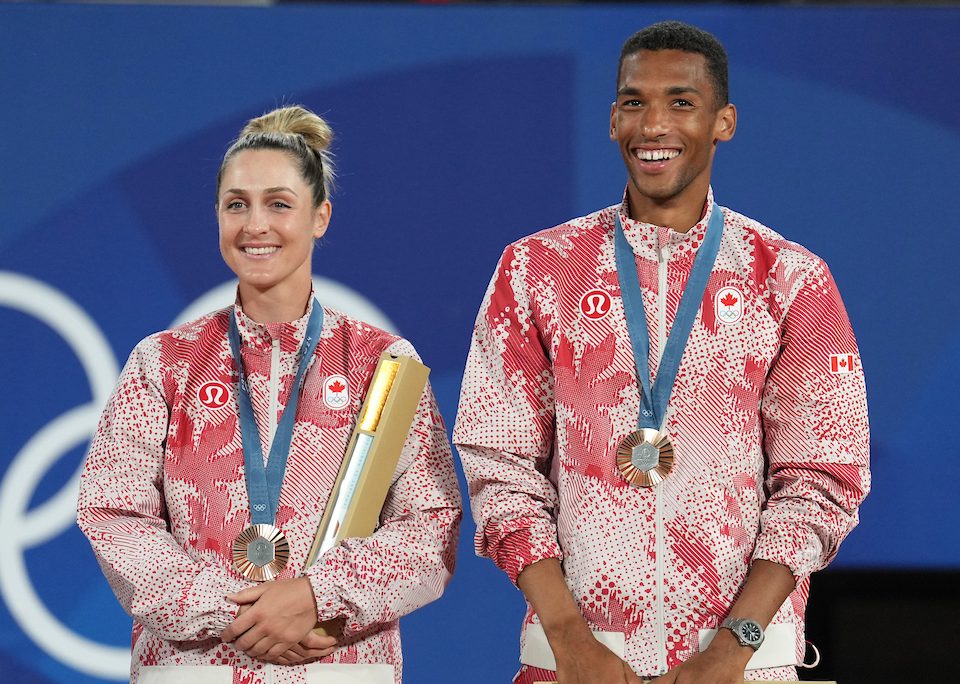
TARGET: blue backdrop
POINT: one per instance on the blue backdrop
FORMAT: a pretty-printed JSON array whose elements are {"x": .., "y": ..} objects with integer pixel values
[{"x": 459, "y": 129}]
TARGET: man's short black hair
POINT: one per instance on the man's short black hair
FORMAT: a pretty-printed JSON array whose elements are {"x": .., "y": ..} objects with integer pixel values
[{"x": 676, "y": 35}]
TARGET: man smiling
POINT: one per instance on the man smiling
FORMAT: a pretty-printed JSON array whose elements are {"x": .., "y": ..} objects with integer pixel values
[{"x": 663, "y": 416}]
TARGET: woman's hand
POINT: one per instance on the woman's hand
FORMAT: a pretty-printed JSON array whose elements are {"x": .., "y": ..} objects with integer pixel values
[
  {"x": 312, "y": 647},
  {"x": 275, "y": 618}
]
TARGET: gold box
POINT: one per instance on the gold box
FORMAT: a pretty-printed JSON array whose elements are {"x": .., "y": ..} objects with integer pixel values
[{"x": 356, "y": 501}]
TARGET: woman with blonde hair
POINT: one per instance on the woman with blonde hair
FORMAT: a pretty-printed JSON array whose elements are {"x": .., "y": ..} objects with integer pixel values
[{"x": 239, "y": 421}]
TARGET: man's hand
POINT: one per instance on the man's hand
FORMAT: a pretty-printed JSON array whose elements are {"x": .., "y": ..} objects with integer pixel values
[
  {"x": 274, "y": 618},
  {"x": 586, "y": 661},
  {"x": 581, "y": 659},
  {"x": 768, "y": 585},
  {"x": 722, "y": 662}
]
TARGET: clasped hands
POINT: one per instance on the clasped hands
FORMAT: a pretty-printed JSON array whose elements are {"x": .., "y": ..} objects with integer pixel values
[
  {"x": 589, "y": 662},
  {"x": 275, "y": 623}
]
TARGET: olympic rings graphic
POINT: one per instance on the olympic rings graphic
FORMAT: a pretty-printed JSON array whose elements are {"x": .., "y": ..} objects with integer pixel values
[{"x": 22, "y": 529}]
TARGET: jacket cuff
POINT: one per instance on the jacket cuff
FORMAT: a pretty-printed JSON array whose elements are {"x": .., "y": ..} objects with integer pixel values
[
  {"x": 803, "y": 555},
  {"x": 522, "y": 547},
  {"x": 211, "y": 588}
]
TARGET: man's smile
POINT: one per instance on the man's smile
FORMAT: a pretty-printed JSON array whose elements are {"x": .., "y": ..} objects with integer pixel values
[{"x": 659, "y": 154}]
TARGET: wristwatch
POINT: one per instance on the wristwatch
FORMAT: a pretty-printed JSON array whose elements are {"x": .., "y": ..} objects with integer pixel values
[{"x": 748, "y": 632}]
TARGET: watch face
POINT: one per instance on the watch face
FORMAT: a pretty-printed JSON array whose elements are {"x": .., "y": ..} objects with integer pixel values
[
  {"x": 751, "y": 632},
  {"x": 748, "y": 632}
]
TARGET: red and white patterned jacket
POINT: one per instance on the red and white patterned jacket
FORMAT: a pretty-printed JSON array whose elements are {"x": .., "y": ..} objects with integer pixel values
[
  {"x": 163, "y": 496},
  {"x": 768, "y": 418}
]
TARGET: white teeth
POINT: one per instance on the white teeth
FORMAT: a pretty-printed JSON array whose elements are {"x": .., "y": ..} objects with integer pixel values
[
  {"x": 260, "y": 251},
  {"x": 656, "y": 155}
]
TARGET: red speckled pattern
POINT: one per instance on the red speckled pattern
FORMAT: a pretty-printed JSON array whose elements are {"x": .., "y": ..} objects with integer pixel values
[
  {"x": 771, "y": 444},
  {"x": 163, "y": 494}
]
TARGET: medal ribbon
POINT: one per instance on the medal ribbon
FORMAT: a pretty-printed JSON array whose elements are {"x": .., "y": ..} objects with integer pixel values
[
  {"x": 653, "y": 403},
  {"x": 264, "y": 482}
]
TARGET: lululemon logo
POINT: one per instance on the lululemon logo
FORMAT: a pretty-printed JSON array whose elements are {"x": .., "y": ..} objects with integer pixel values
[
  {"x": 595, "y": 304},
  {"x": 213, "y": 394}
]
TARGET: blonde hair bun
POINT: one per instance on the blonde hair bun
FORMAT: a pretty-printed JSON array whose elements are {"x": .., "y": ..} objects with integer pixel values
[
  {"x": 300, "y": 133},
  {"x": 293, "y": 120}
]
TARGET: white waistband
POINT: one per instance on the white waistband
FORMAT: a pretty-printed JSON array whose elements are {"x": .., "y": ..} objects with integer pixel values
[
  {"x": 536, "y": 650},
  {"x": 317, "y": 673},
  {"x": 778, "y": 649}
]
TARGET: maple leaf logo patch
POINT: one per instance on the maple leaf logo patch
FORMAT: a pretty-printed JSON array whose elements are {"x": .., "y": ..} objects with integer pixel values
[
  {"x": 335, "y": 392},
  {"x": 728, "y": 305}
]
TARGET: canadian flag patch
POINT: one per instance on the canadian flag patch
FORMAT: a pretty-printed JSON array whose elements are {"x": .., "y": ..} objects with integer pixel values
[
  {"x": 336, "y": 393},
  {"x": 728, "y": 305},
  {"x": 842, "y": 363}
]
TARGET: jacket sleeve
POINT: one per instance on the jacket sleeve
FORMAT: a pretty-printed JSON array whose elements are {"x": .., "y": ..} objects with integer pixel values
[
  {"x": 816, "y": 435},
  {"x": 505, "y": 424},
  {"x": 407, "y": 562},
  {"x": 121, "y": 511}
]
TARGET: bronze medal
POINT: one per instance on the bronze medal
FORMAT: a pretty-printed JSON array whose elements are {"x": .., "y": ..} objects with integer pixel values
[
  {"x": 645, "y": 457},
  {"x": 260, "y": 552}
]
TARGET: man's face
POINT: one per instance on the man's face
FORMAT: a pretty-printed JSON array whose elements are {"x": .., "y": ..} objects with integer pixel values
[{"x": 666, "y": 122}]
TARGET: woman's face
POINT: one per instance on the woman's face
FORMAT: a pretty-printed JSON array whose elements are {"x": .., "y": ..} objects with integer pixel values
[{"x": 267, "y": 220}]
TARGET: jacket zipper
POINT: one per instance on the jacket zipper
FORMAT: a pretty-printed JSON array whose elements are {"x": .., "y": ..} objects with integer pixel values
[
  {"x": 274, "y": 391},
  {"x": 272, "y": 430},
  {"x": 662, "y": 258}
]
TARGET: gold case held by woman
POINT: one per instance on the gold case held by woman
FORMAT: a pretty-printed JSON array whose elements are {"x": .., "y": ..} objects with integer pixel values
[{"x": 366, "y": 473}]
